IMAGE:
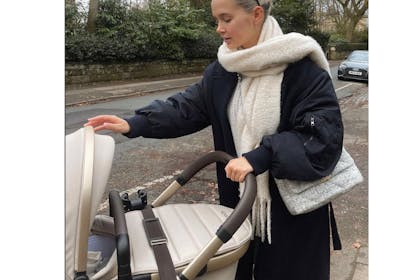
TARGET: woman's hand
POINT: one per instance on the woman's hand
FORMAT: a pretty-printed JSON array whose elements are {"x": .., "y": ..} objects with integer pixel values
[
  {"x": 237, "y": 169},
  {"x": 109, "y": 122}
]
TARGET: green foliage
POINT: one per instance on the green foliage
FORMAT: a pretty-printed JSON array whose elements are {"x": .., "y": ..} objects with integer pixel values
[
  {"x": 337, "y": 38},
  {"x": 162, "y": 30},
  {"x": 205, "y": 46},
  {"x": 171, "y": 29},
  {"x": 361, "y": 36},
  {"x": 358, "y": 36},
  {"x": 74, "y": 19},
  {"x": 321, "y": 37},
  {"x": 294, "y": 15},
  {"x": 298, "y": 16},
  {"x": 167, "y": 25}
]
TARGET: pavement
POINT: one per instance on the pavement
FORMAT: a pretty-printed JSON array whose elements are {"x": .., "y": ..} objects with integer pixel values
[
  {"x": 351, "y": 210},
  {"x": 101, "y": 92}
]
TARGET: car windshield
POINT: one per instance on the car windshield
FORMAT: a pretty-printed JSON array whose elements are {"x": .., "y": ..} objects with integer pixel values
[{"x": 358, "y": 56}]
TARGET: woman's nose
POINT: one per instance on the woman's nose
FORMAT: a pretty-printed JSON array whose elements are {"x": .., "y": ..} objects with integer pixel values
[{"x": 219, "y": 28}]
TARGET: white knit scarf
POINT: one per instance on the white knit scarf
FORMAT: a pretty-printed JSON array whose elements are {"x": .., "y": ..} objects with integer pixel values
[{"x": 254, "y": 110}]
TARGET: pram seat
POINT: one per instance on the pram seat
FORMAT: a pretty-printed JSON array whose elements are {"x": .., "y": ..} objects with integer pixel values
[{"x": 188, "y": 228}]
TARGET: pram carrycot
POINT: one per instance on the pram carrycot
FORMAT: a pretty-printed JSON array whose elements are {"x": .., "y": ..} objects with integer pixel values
[{"x": 202, "y": 239}]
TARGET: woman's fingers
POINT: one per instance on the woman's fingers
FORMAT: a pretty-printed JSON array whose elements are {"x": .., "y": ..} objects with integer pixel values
[
  {"x": 108, "y": 122},
  {"x": 98, "y": 120},
  {"x": 237, "y": 169}
]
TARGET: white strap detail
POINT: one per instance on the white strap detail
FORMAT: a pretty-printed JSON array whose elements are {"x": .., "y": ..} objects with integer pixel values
[{"x": 82, "y": 235}]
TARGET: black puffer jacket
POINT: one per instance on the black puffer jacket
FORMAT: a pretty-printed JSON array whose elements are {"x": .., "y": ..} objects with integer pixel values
[{"x": 308, "y": 141}]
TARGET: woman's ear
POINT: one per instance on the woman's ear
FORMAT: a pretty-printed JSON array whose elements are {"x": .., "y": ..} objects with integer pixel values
[{"x": 258, "y": 14}]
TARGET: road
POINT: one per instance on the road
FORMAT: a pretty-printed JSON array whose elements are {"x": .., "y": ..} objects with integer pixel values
[{"x": 77, "y": 115}]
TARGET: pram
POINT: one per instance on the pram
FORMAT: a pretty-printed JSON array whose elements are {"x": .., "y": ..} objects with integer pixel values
[{"x": 172, "y": 241}]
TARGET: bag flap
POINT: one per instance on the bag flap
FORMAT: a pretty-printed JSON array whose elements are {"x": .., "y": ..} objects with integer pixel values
[{"x": 345, "y": 162}]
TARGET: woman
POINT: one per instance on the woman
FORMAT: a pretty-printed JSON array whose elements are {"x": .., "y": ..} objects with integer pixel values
[{"x": 271, "y": 103}]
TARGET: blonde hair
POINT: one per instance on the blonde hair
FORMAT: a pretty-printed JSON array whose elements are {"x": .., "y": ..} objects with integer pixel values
[{"x": 248, "y": 5}]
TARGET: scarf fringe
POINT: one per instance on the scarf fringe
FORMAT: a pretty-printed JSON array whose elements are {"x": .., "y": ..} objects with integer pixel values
[{"x": 261, "y": 219}]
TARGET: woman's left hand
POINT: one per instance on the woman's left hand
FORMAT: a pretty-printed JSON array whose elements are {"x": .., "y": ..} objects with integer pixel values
[{"x": 237, "y": 169}]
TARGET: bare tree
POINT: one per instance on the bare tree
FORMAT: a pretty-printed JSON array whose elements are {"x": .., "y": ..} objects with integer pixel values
[
  {"x": 92, "y": 14},
  {"x": 347, "y": 14},
  {"x": 323, "y": 15},
  {"x": 340, "y": 15}
]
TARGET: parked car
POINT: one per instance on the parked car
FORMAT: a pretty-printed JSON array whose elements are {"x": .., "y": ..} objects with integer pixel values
[{"x": 355, "y": 67}]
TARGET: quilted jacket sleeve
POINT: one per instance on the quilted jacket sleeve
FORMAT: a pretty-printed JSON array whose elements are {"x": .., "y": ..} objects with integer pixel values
[
  {"x": 309, "y": 140},
  {"x": 181, "y": 114}
]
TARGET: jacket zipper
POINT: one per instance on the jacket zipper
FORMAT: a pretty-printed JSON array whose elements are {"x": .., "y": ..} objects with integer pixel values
[{"x": 312, "y": 120}]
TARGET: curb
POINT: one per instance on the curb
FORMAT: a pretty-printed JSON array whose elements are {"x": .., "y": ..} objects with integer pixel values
[{"x": 121, "y": 96}]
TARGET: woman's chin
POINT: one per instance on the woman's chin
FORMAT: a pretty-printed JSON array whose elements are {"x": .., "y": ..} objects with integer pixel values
[{"x": 229, "y": 44}]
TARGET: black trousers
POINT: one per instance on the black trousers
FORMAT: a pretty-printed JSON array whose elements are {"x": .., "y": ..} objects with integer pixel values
[{"x": 300, "y": 248}]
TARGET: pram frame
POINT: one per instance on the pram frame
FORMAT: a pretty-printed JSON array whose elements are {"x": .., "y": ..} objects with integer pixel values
[{"x": 222, "y": 235}]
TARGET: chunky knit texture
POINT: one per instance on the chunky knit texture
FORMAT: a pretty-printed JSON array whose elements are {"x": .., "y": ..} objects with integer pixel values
[{"x": 254, "y": 110}]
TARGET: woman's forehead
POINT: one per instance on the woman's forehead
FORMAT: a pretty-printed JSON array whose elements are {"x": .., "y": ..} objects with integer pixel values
[{"x": 220, "y": 7}]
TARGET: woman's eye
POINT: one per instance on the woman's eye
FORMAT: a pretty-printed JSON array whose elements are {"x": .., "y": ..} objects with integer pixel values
[{"x": 224, "y": 20}]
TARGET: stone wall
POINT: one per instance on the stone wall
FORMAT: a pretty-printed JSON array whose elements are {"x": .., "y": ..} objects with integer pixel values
[
  {"x": 339, "y": 51},
  {"x": 336, "y": 55},
  {"x": 93, "y": 73}
]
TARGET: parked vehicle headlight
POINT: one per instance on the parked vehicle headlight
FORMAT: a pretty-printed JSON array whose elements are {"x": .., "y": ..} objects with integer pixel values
[{"x": 342, "y": 66}]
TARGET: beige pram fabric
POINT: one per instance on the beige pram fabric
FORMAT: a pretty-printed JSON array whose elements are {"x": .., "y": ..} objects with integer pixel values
[
  {"x": 103, "y": 155},
  {"x": 187, "y": 227}
]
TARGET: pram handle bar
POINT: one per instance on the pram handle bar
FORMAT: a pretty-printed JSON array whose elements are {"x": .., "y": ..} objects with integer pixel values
[
  {"x": 189, "y": 172},
  {"x": 230, "y": 225},
  {"x": 193, "y": 168},
  {"x": 121, "y": 236},
  {"x": 234, "y": 221},
  {"x": 225, "y": 231}
]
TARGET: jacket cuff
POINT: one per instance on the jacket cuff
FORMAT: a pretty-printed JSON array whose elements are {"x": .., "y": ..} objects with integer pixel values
[
  {"x": 139, "y": 126},
  {"x": 260, "y": 159}
]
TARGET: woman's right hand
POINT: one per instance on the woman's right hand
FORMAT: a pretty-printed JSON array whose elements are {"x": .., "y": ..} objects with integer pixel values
[{"x": 109, "y": 122}]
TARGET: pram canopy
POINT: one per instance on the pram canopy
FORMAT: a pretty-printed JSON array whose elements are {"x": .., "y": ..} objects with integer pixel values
[{"x": 103, "y": 153}]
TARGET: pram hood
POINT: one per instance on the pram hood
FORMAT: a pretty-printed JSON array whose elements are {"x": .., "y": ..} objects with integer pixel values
[{"x": 75, "y": 156}]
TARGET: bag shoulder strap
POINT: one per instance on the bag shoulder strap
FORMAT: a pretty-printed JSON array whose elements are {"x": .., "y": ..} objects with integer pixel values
[{"x": 334, "y": 231}]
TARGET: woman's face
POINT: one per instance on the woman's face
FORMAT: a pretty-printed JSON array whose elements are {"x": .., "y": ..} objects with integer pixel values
[{"x": 237, "y": 27}]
